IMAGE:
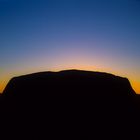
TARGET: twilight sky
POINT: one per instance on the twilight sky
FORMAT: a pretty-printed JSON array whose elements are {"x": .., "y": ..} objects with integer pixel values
[{"x": 42, "y": 35}]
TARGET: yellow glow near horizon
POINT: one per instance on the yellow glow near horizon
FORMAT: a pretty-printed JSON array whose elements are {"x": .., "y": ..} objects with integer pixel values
[
  {"x": 3, "y": 84},
  {"x": 134, "y": 83}
]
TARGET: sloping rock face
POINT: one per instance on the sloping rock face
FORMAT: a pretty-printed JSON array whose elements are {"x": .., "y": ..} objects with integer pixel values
[{"x": 71, "y": 104}]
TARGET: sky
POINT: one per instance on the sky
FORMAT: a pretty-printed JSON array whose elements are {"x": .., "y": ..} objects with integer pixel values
[{"x": 44, "y": 35}]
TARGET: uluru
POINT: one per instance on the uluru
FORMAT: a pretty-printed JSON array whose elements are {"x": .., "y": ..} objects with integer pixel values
[{"x": 70, "y": 103}]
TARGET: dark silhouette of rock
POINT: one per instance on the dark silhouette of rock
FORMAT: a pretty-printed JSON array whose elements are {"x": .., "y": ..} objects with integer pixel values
[
  {"x": 71, "y": 104},
  {"x": 68, "y": 83}
]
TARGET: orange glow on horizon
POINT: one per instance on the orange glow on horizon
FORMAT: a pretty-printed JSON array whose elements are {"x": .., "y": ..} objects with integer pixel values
[
  {"x": 3, "y": 85},
  {"x": 135, "y": 84}
]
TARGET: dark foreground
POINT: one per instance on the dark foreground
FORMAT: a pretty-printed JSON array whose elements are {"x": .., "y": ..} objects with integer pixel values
[{"x": 70, "y": 105}]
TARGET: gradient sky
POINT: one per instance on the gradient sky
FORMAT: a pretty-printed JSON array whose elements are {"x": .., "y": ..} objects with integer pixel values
[{"x": 42, "y": 35}]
